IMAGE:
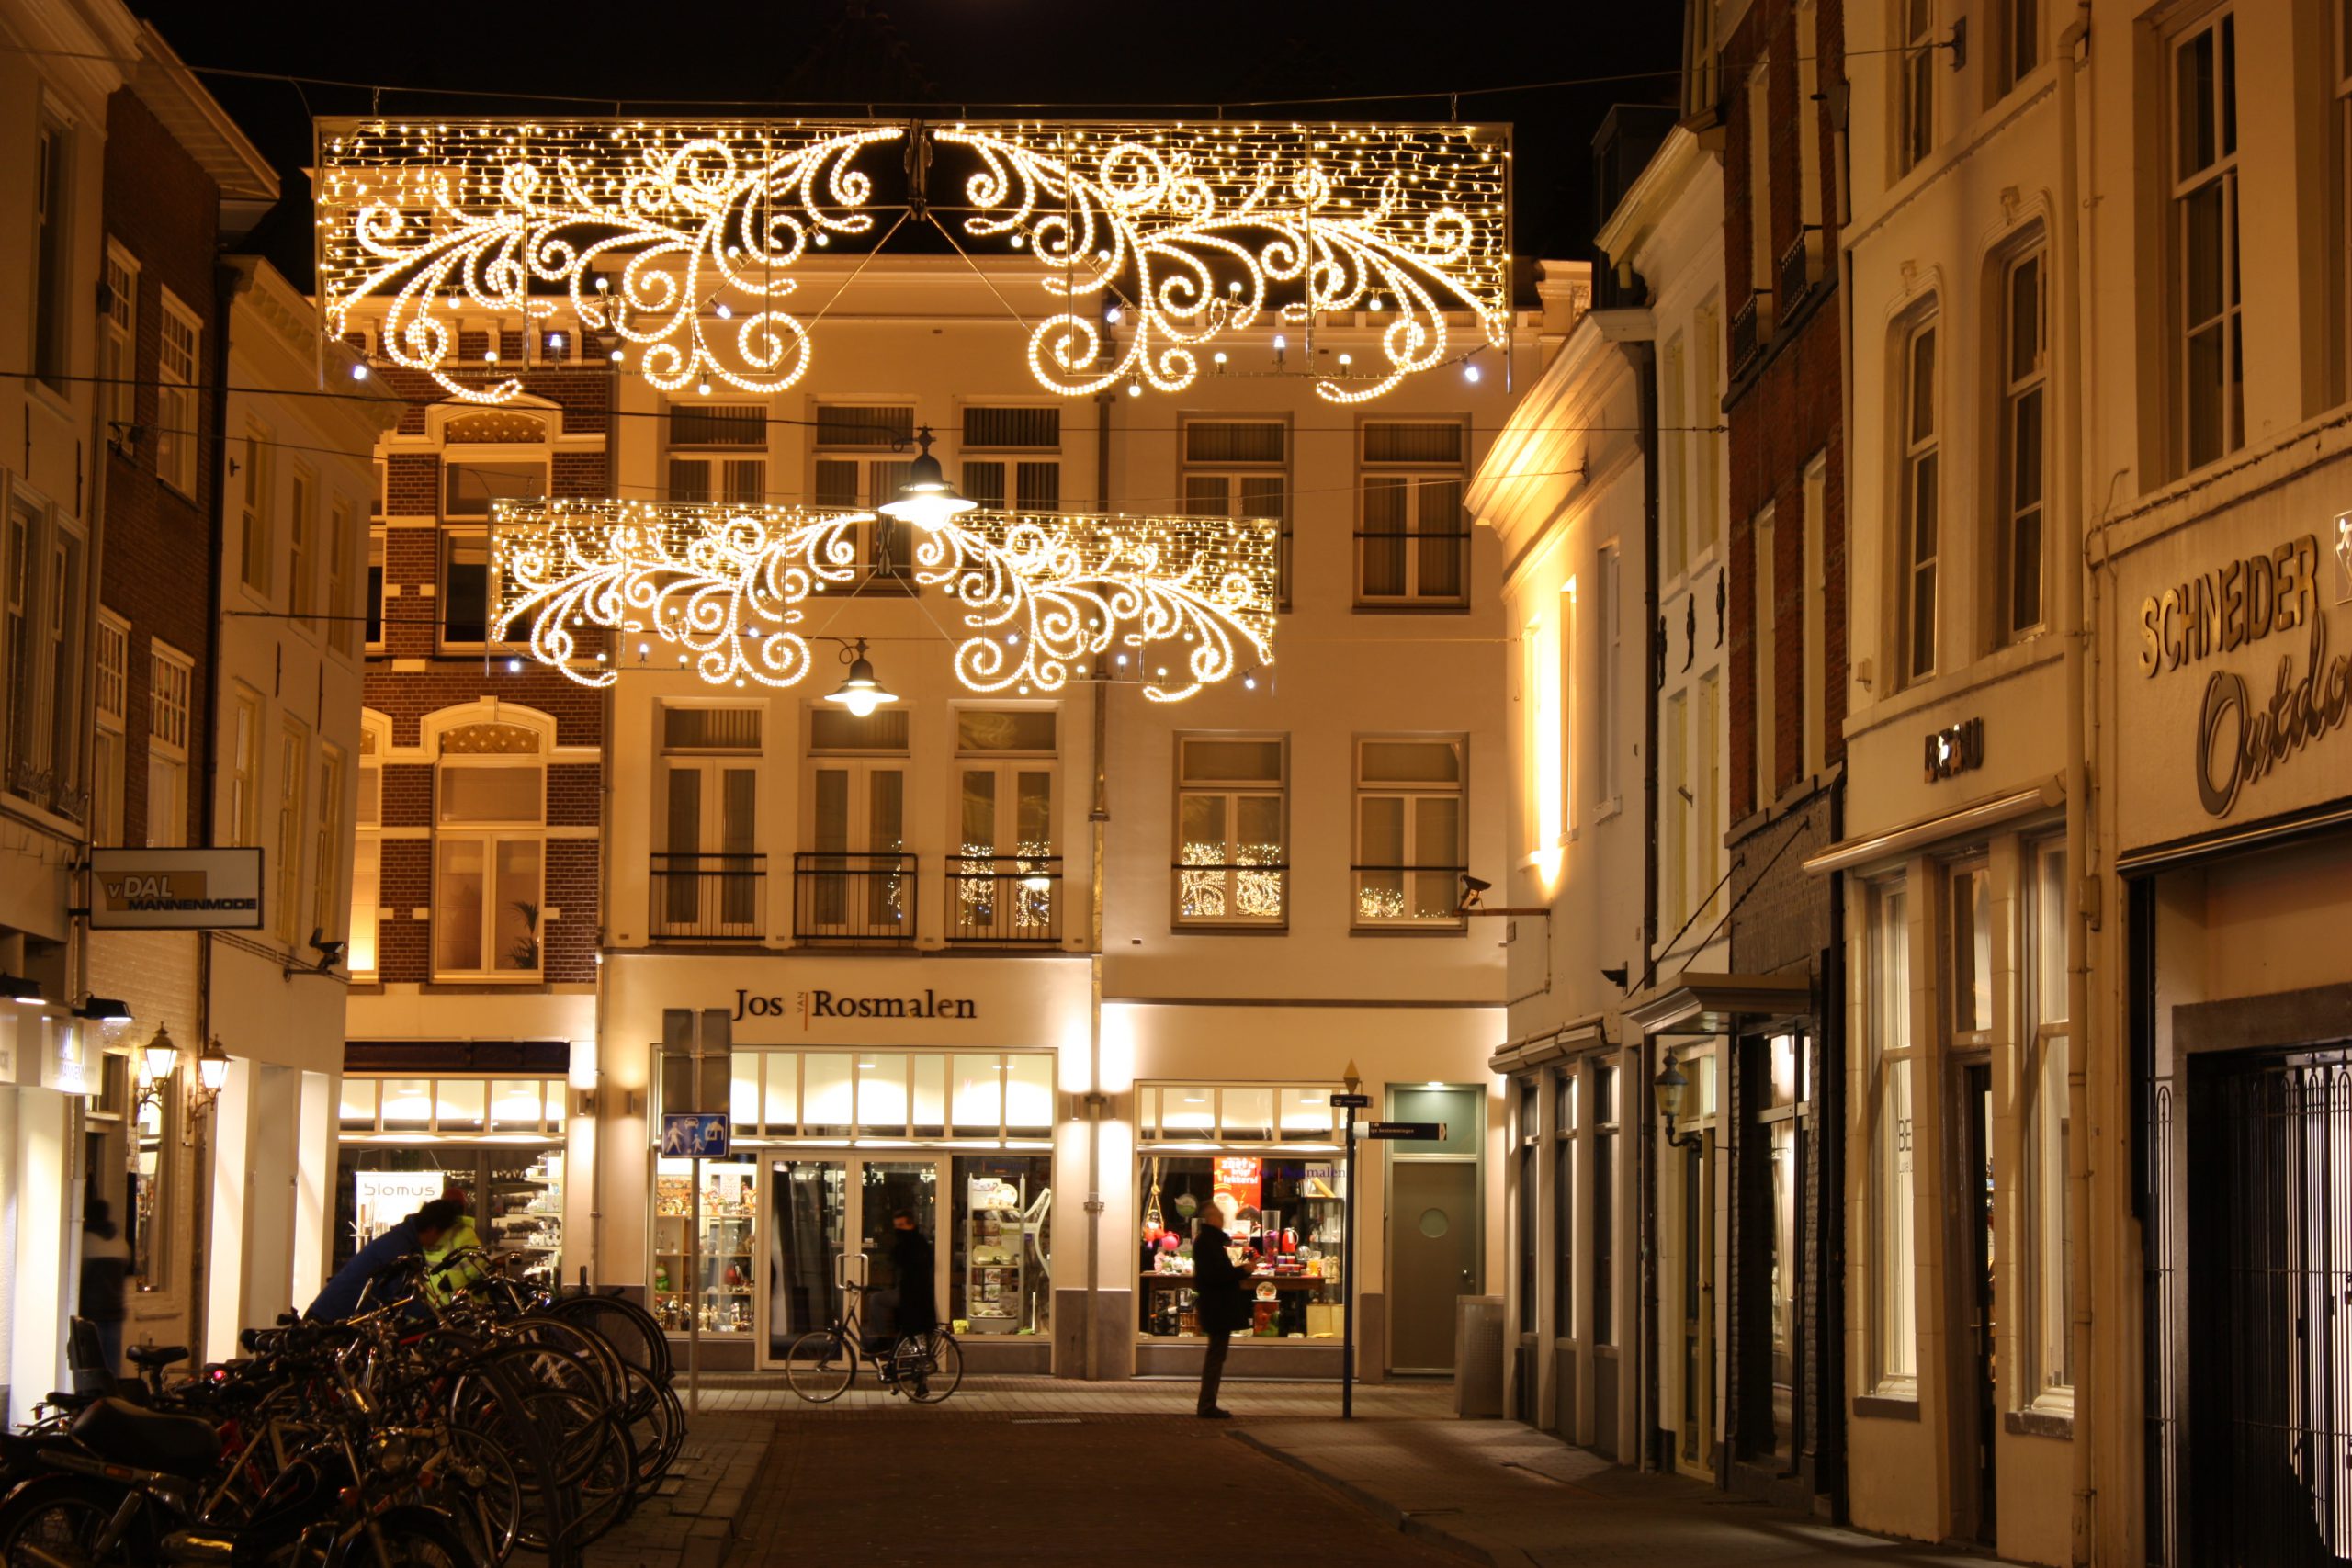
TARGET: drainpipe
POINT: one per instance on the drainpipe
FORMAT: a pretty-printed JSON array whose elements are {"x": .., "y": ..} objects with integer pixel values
[
  {"x": 1098, "y": 816},
  {"x": 2074, "y": 223},
  {"x": 1644, "y": 354}
]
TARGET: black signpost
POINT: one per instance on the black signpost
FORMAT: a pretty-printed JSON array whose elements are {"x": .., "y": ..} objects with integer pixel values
[{"x": 1352, "y": 1103}]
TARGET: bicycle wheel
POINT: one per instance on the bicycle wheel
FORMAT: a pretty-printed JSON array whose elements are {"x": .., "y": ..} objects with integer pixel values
[
  {"x": 411, "y": 1536},
  {"x": 60, "y": 1518},
  {"x": 931, "y": 1367},
  {"x": 821, "y": 1364}
]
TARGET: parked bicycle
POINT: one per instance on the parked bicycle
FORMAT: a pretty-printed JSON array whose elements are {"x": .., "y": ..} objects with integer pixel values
[{"x": 823, "y": 1363}]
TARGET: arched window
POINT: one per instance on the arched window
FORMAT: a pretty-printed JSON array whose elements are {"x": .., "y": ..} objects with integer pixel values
[{"x": 489, "y": 842}]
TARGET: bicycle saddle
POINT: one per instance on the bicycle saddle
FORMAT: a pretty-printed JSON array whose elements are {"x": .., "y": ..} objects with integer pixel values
[
  {"x": 156, "y": 1355},
  {"x": 119, "y": 1432}
]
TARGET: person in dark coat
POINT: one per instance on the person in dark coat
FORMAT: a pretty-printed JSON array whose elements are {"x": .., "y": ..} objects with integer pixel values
[
  {"x": 105, "y": 1270},
  {"x": 910, "y": 1260},
  {"x": 420, "y": 1233},
  {"x": 1221, "y": 1302}
]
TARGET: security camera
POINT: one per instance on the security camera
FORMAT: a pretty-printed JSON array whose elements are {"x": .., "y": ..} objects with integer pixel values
[{"x": 1471, "y": 887}]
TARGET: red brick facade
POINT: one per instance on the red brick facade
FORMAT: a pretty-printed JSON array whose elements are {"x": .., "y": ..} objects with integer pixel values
[
  {"x": 162, "y": 547},
  {"x": 431, "y": 681}
]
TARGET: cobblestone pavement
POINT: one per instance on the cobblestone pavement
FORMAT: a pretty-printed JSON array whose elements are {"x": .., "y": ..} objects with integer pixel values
[
  {"x": 691, "y": 1521},
  {"x": 1498, "y": 1493},
  {"x": 1065, "y": 1485}
]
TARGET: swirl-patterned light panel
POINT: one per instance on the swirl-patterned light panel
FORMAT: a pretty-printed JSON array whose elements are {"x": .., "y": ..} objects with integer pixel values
[
  {"x": 1174, "y": 603},
  {"x": 676, "y": 240}
]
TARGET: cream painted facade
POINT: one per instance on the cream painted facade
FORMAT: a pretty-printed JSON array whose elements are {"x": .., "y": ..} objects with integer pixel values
[
  {"x": 1566, "y": 493},
  {"x": 54, "y": 82},
  {"x": 1964, "y": 785},
  {"x": 2221, "y": 609},
  {"x": 754, "y": 862}
]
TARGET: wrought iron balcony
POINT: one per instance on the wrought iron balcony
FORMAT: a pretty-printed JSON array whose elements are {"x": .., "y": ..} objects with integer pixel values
[
  {"x": 1751, "y": 326},
  {"x": 849, "y": 897},
  {"x": 1004, "y": 901},
  {"x": 710, "y": 898},
  {"x": 1796, "y": 271}
]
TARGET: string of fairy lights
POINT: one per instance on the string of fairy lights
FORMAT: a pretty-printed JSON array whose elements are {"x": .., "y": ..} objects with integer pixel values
[
  {"x": 670, "y": 245},
  {"x": 674, "y": 240},
  {"x": 726, "y": 590}
]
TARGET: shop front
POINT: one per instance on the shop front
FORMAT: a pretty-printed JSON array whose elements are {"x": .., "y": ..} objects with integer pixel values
[
  {"x": 420, "y": 1120},
  {"x": 2234, "y": 706},
  {"x": 859, "y": 1087}
]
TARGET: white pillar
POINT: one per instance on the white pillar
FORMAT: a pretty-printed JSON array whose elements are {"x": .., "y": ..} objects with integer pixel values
[
  {"x": 43, "y": 1167},
  {"x": 224, "y": 1255},
  {"x": 314, "y": 1177}
]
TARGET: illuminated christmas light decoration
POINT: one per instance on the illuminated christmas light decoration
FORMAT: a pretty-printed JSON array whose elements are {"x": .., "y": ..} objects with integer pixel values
[
  {"x": 727, "y": 587},
  {"x": 677, "y": 238}
]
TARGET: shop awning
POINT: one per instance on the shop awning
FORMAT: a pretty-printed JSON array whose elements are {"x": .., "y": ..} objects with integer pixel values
[
  {"x": 1712, "y": 1004},
  {"x": 1549, "y": 1046},
  {"x": 1978, "y": 815}
]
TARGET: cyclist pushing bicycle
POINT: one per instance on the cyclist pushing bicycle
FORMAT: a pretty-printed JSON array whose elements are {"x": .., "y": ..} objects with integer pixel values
[{"x": 924, "y": 1362}]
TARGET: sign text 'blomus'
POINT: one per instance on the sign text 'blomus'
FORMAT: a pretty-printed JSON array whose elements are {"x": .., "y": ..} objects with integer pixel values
[{"x": 815, "y": 1003}]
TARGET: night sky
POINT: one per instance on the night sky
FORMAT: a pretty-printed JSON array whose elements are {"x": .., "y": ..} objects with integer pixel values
[{"x": 909, "y": 55}]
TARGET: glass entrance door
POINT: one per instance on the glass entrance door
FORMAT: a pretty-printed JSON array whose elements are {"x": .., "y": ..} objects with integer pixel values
[{"x": 816, "y": 1207}]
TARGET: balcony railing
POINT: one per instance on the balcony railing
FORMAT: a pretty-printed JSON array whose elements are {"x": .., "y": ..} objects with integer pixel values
[
  {"x": 1408, "y": 895},
  {"x": 841, "y": 895},
  {"x": 710, "y": 898},
  {"x": 1004, "y": 901},
  {"x": 1750, "y": 326},
  {"x": 1797, "y": 269}
]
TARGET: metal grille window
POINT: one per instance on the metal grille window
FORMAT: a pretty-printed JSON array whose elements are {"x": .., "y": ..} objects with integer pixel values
[
  {"x": 1409, "y": 839},
  {"x": 718, "y": 424},
  {"x": 175, "y": 381},
  {"x": 1013, "y": 428},
  {"x": 2049, "y": 1135},
  {"x": 1412, "y": 537},
  {"x": 1894, "y": 1308},
  {"x": 2025, "y": 376},
  {"x": 866, "y": 426},
  {"x": 1232, "y": 817},
  {"x": 170, "y": 677},
  {"x": 1919, "y": 505},
  {"x": 1242, "y": 469},
  {"x": 1915, "y": 127},
  {"x": 2211, "y": 358}
]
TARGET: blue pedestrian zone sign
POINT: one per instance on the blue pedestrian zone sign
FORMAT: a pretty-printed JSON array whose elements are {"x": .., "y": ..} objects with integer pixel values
[{"x": 696, "y": 1134}]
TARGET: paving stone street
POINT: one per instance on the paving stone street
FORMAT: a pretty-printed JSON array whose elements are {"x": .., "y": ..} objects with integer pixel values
[{"x": 1021, "y": 1471}]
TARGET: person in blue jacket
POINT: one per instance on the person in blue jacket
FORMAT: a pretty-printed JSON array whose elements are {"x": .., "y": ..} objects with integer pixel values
[{"x": 420, "y": 1233}]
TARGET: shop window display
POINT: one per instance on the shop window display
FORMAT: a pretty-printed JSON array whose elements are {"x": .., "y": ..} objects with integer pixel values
[
  {"x": 515, "y": 1191},
  {"x": 1003, "y": 1245},
  {"x": 1287, "y": 1210},
  {"x": 714, "y": 1290}
]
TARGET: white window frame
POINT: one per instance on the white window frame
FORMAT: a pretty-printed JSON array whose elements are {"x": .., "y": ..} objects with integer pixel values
[
  {"x": 1610, "y": 570},
  {"x": 2216, "y": 178},
  {"x": 44, "y": 560},
  {"x": 489, "y": 835},
  {"x": 329, "y": 907},
  {"x": 343, "y": 588},
  {"x": 1813, "y": 600},
  {"x": 1916, "y": 64},
  {"x": 1005, "y": 476},
  {"x": 293, "y": 790},
  {"x": 1918, "y": 444},
  {"x": 110, "y": 761},
  {"x": 1005, "y": 889},
  {"x": 1422, "y": 484},
  {"x": 1233, "y": 876},
  {"x": 1893, "y": 1057},
  {"x": 118, "y": 338},
  {"x": 302, "y": 548},
  {"x": 257, "y": 510},
  {"x": 179, "y": 371},
  {"x": 367, "y": 853},
  {"x": 171, "y": 685},
  {"x": 732, "y": 473},
  {"x": 2048, "y": 1384},
  {"x": 2025, "y": 401},
  {"x": 1417, "y": 863},
  {"x": 886, "y": 547},
  {"x": 1221, "y": 487},
  {"x": 1764, "y": 534},
  {"x": 243, "y": 765}
]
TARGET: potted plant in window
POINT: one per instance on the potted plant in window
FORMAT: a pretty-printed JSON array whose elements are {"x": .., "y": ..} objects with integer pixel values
[{"x": 525, "y": 951}]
